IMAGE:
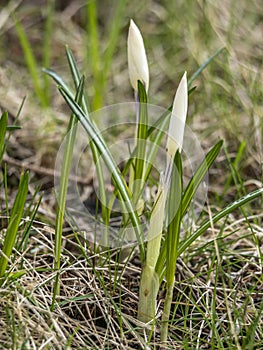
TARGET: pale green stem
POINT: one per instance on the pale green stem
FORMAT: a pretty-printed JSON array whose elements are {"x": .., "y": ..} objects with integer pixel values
[
  {"x": 149, "y": 285},
  {"x": 166, "y": 311}
]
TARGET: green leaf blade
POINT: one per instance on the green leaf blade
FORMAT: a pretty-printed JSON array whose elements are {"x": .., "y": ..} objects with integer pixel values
[
  {"x": 199, "y": 175},
  {"x": 3, "y": 128},
  {"x": 221, "y": 214},
  {"x": 174, "y": 217},
  {"x": 14, "y": 222},
  {"x": 111, "y": 165}
]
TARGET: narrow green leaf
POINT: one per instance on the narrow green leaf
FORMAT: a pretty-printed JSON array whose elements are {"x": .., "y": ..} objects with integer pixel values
[
  {"x": 115, "y": 26},
  {"x": 191, "y": 90},
  {"x": 199, "y": 175},
  {"x": 69, "y": 93},
  {"x": 3, "y": 128},
  {"x": 33, "y": 212},
  {"x": 58, "y": 80},
  {"x": 142, "y": 92},
  {"x": 6, "y": 190},
  {"x": 10, "y": 128},
  {"x": 63, "y": 186},
  {"x": 93, "y": 51},
  {"x": 142, "y": 128},
  {"x": 13, "y": 127},
  {"x": 75, "y": 299},
  {"x": 73, "y": 67},
  {"x": 31, "y": 62},
  {"x": 13, "y": 276},
  {"x": 221, "y": 214},
  {"x": 111, "y": 165},
  {"x": 203, "y": 66},
  {"x": 50, "y": 9},
  {"x": 172, "y": 238},
  {"x": 162, "y": 122},
  {"x": 96, "y": 156},
  {"x": 160, "y": 125},
  {"x": 14, "y": 222},
  {"x": 174, "y": 217},
  {"x": 160, "y": 264},
  {"x": 234, "y": 176}
]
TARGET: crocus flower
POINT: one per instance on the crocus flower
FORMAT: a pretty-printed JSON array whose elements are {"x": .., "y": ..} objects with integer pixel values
[
  {"x": 178, "y": 117},
  {"x": 137, "y": 60}
]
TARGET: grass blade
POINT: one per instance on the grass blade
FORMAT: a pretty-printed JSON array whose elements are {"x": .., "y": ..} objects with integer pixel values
[
  {"x": 68, "y": 151},
  {"x": 14, "y": 222},
  {"x": 199, "y": 175},
  {"x": 174, "y": 217},
  {"x": 221, "y": 214},
  {"x": 31, "y": 62},
  {"x": 203, "y": 66},
  {"x": 58, "y": 80},
  {"x": 63, "y": 187},
  {"x": 93, "y": 54},
  {"x": 3, "y": 128},
  {"x": 32, "y": 214},
  {"x": 114, "y": 32},
  {"x": 234, "y": 176},
  {"x": 47, "y": 44},
  {"x": 75, "y": 75},
  {"x": 69, "y": 93}
]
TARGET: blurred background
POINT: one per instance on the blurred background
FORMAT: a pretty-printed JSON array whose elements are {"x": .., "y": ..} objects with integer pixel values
[{"x": 178, "y": 35}]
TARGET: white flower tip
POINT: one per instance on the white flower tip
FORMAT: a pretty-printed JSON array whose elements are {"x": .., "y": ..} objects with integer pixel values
[
  {"x": 178, "y": 118},
  {"x": 133, "y": 26},
  {"x": 184, "y": 83},
  {"x": 137, "y": 60}
]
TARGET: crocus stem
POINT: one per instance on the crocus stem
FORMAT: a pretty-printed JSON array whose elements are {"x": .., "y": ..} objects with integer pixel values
[
  {"x": 149, "y": 287},
  {"x": 150, "y": 281},
  {"x": 166, "y": 311}
]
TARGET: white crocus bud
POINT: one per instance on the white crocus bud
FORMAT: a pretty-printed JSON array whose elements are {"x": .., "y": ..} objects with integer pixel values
[
  {"x": 137, "y": 60},
  {"x": 178, "y": 118}
]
